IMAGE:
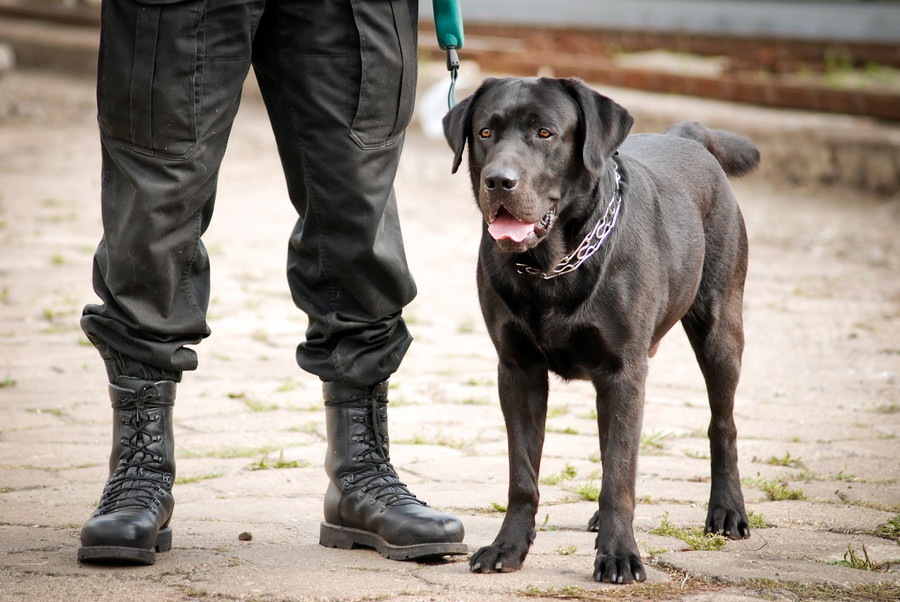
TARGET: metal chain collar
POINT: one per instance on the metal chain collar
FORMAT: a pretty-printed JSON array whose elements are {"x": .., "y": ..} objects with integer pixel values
[{"x": 591, "y": 243}]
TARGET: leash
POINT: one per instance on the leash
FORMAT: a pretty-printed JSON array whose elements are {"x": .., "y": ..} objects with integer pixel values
[
  {"x": 448, "y": 25},
  {"x": 453, "y": 68}
]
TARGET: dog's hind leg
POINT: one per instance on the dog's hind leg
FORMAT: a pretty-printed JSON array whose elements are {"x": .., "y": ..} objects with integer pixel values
[
  {"x": 714, "y": 326},
  {"x": 523, "y": 387}
]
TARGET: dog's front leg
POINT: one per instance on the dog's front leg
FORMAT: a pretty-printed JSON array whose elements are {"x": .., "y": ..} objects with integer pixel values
[
  {"x": 523, "y": 398},
  {"x": 620, "y": 407}
]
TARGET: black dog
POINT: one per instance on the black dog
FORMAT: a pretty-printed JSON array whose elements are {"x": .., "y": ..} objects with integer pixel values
[{"x": 588, "y": 257}]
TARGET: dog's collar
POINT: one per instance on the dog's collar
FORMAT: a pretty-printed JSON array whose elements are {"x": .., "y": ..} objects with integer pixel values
[{"x": 591, "y": 243}]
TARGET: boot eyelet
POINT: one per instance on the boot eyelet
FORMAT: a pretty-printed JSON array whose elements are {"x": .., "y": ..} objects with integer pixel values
[{"x": 157, "y": 437}]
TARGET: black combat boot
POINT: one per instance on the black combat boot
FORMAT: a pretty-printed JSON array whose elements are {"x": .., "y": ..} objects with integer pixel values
[
  {"x": 131, "y": 522},
  {"x": 366, "y": 504}
]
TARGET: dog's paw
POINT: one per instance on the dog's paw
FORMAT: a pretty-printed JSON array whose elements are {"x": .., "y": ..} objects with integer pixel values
[
  {"x": 614, "y": 568},
  {"x": 498, "y": 557},
  {"x": 731, "y": 523}
]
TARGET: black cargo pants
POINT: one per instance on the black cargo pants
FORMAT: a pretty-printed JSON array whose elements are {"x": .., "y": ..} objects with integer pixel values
[{"x": 338, "y": 80}]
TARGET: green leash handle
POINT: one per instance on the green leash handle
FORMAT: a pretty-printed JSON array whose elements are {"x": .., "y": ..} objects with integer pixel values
[{"x": 448, "y": 25}]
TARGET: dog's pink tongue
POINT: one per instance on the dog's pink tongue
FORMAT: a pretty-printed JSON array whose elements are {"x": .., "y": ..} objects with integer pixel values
[{"x": 506, "y": 226}]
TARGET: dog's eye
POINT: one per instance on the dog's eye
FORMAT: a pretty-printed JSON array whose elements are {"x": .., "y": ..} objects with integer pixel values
[
  {"x": 544, "y": 133},
  {"x": 485, "y": 133}
]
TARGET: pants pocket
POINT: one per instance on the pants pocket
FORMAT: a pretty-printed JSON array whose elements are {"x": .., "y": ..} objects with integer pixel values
[
  {"x": 387, "y": 41},
  {"x": 149, "y": 75}
]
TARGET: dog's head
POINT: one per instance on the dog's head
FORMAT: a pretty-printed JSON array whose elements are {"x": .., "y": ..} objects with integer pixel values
[{"x": 532, "y": 144}]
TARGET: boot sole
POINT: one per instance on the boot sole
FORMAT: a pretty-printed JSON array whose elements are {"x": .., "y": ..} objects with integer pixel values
[
  {"x": 126, "y": 555},
  {"x": 347, "y": 538}
]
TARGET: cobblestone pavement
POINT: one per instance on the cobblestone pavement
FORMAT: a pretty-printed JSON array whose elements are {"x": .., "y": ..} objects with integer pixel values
[{"x": 818, "y": 409}]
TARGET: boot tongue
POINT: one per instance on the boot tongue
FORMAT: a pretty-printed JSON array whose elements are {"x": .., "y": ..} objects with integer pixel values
[{"x": 507, "y": 226}]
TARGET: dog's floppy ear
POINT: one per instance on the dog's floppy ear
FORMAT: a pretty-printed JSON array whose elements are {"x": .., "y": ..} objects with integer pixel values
[
  {"x": 605, "y": 124},
  {"x": 458, "y": 124}
]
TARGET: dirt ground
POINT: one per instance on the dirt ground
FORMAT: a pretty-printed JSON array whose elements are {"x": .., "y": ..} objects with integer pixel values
[{"x": 818, "y": 408}]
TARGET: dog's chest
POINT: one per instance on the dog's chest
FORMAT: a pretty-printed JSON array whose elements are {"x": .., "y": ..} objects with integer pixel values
[{"x": 572, "y": 349}]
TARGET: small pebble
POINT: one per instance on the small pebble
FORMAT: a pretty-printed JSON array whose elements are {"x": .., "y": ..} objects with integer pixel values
[{"x": 245, "y": 536}]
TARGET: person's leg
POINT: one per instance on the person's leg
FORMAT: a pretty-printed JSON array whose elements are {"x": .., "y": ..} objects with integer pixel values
[
  {"x": 169, "y": 82},
  {"x": 339, "y": 114},
  {"x": 338, "y": 79}
]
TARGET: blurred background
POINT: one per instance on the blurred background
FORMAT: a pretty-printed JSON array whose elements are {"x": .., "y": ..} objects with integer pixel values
[
  {"x": 826, "y": 55},
  {"x": 822, "y": 57}
]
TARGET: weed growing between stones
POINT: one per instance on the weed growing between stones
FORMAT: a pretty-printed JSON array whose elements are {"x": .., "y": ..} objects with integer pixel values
[
  {"x": 589, "y": 491},
  {"x": 198, "y": 478},
  {"x": 566, "y": 474},
  {"x": 757, "y": 521},
  {"x": 775, "y": 489},
  {"x": 693, "y": 537},
  {"x": 890, "y": 529},
  {"x": 265, "y": 464},
  {"x": 872, "y": 592},
  {"x": 861, "y": 562},
  {"x": 785, "y": 460}
]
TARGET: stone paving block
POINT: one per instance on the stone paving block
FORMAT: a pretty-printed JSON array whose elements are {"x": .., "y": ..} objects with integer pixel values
[
  {"x": 741, "y": 567},
  {"x": 823, "y": 517},
  {"x": 880, "y": 495},
  {"x": 815, "y": 545}
]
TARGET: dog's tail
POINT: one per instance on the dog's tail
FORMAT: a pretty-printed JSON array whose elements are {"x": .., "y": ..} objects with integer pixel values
[{"x": 736, "y": 154}]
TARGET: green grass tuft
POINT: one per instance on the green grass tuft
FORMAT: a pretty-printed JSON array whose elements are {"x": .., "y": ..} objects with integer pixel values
[
  {"x": 566, "y": 474},
  {"x": 854, "y": 560},
  {"x": 694, "y": 537},
  {"x": 652, "y": 443},
  {"x": 757, "y": 521},
  {"x": 589, "y": 491},
  {"x": 197, "y": 478},
  {"x": 785, "y": 460},
  {"x": 775, "y": 489},
  {"x": 890, "y": 529},
  {"x": 265, "y": 464}
]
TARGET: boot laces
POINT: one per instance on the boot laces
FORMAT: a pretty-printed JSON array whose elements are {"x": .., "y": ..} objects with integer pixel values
[
  {"x": 137, "y": 480},
  {"x": 378, "y": 476}
]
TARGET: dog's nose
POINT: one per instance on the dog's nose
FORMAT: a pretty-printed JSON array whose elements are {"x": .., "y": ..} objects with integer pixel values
[{"x": 503, "y": 178}]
